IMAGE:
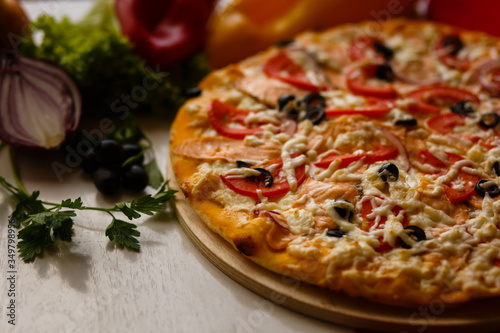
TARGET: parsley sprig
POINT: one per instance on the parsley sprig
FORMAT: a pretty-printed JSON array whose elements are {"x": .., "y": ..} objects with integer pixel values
[{"x": 42, "y": 222}]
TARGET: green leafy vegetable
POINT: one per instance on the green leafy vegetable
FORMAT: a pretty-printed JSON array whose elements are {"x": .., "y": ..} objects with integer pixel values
[
  {"x": 111, "y": 77},
  {"x": 45, "y": 221},
  {"x": 124, "y": 233}
]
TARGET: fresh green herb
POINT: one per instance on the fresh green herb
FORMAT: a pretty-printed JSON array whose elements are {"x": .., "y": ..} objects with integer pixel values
[
  {"x": 42, "y": 222},
  {"x": 111, "y": 77}
]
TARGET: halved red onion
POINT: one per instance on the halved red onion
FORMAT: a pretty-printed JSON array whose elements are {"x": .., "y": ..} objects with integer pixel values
[
  {"x": 400, "y": 147},
  {"x": 39, "y": 102},
  {"x": 487, "y": 77}
]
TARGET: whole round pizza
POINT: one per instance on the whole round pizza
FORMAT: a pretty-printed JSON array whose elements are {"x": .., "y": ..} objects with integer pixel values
[{"x": 365, "y": 158}]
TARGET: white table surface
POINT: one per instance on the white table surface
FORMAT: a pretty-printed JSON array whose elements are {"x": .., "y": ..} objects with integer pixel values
[{"x": 90, "y": 286}]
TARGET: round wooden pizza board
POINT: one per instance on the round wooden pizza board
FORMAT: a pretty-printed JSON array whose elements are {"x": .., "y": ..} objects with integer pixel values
[{"x": 335, "y": 307}]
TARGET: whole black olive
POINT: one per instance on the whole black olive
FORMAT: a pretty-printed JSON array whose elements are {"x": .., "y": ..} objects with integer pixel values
[
  {"x": 131, "y": 150},
  {"x": 192, "y": 92},
  {"x": 384, "y": 72},
  {"x": 415, "y": 233},
  {"x": 109, "y": 153},
  {"x": 135, "y": 178},
  {"x": 342, "y": 209},
  {"x": 453, "y": 43},
  {"x": 313, "y": 100},
  {"x": 242, "y": 164},
  {"x": 337, "y": 233},
  {"x": 496, "y": 168},
  {"x": 107, "y": 181},
  {"x": 383, "y": 50},
  {"x": 487, "y": 186},
  {"x": 89, "y": 162},
  {"x": 463, "y": 108},
  {"x": 489, "y": 120},
  {"x": 268, "y": 178},
  {"x": 389, "y": 172},
  {"x": 408, "y": 122},
  {"x": 316, "y": 114},
  {"x": 284, "y": 100}
]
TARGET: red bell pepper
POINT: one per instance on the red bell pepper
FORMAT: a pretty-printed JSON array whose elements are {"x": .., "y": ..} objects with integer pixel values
[{"x": 164, "y": 32}]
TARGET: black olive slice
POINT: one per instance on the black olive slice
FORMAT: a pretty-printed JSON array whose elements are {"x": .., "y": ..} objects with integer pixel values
[
  {"x": 293, "y": 114},
  {"x": 268, "y": 178},
  {"x": 284, "y": 100},
  {"x": 314, "y": 99},
  {"x": 283, "y": 43},
  {"x": 192, "y": 92},
  {"x": 453, "y": 43},
  {"x": 389, "y": 172},
  {"x": 415, "y": 233},
  {"x": 487, "y": 186},
  {"x": 463, "y": 108},
  {"x": 408, "y": 122},
  {"x": 340, "y": 208},
  {"x": 489, "y": 120},
  {"x": 496, "y": 168},
  {"x": 337, "y": 233},
  {"x": 383, "y": 50},
  {"x": 242, "y": 164},
  {"x": 384, "y": 72},
  {"x": 316, "y": 114}
]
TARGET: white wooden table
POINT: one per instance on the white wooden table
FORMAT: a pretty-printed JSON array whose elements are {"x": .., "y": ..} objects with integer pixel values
[{"x": 90, "y": 286}]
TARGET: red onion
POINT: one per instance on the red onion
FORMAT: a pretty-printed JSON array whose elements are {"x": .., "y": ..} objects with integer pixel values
[
  {"x": 39, "y": 102},
  {"x": 399, "y": 145},
  {"x": 406, "y": 79},
  {"x": 274, "y": 216},
  {"x": 289, "y": 127},
  {"x": 485, "y": 74},
  {"x": 313, "y": 60}
]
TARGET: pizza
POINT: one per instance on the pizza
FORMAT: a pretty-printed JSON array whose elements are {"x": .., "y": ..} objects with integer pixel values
[{"x": 363, "y": 159}]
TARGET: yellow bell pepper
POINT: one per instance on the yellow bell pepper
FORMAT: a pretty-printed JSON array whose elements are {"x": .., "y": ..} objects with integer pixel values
[{"x": 240, "y": 28}]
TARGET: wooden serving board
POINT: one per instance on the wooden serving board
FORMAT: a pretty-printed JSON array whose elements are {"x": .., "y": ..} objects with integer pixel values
[{"x": 335, "y": 307}]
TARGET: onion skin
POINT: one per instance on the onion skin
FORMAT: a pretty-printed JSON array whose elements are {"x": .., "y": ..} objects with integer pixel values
[{"x": 39, "y": 103}]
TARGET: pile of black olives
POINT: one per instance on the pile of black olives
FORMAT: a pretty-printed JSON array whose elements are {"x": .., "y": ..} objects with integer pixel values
[{"x": 105, "y": 164}]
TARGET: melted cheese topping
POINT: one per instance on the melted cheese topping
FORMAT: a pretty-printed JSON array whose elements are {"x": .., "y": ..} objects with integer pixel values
[{"x": 466, "y": 235}]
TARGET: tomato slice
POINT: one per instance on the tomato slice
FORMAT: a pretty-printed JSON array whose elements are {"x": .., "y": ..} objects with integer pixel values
[
  {"x": 445, "y": 123},
  {"x": 356, "y": 83},
  {"x": 248, "y": 187},
  {"x": 431, "y": 99},
  {"x": 366, "y": 209},
  {"x": 426, "y": 157},
  {"x": 282, "y": 68},
  {"x": 496, "y": 262},
  {"x": 375, "y": 108},
  {"x": 456, "y": 63},
  {"x": 451, "y": 60},
  {"x": 381, "y": 154},
  {"x": 457, "y": 196},
  {"x": 217, "y": 115}
]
